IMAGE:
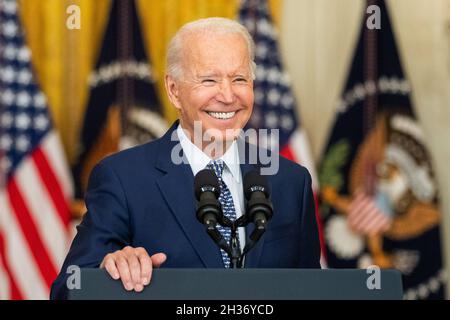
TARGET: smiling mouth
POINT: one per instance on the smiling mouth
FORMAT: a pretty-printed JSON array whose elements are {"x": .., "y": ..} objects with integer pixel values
[{"x": 222, "y": 115}]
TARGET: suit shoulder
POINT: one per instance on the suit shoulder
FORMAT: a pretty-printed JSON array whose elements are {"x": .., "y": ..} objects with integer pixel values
[
  {"x": 287, "y": 169},
  {"x": 144, "y": 153},
  {"x": 290, "y": 167}
]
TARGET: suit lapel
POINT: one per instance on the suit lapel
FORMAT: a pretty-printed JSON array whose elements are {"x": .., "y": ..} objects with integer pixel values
[{"x": 176, "y": 187}]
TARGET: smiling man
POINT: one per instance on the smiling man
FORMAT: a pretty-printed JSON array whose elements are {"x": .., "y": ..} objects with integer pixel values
[
  {"x": 209, "y": 79},
  {"x": 141, "y": 204}
]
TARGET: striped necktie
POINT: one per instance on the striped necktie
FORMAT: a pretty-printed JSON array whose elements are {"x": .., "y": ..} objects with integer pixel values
[{"x": 226, "y": 200}]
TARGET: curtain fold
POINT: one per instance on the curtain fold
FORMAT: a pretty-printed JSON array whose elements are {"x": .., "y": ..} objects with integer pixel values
[{"x": 63, "y": 58}]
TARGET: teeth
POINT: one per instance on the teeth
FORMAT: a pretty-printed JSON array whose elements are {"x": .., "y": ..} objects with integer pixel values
[{"x": 222, "y": 115}]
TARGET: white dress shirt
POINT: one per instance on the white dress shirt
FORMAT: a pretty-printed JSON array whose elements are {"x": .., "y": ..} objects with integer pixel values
[{"x": 231, "y": 175}]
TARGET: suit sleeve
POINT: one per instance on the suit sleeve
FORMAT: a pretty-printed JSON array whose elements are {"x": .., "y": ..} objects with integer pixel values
[
  {"x": 309, "y": 233},
  {"x": 104, "y": 228}
]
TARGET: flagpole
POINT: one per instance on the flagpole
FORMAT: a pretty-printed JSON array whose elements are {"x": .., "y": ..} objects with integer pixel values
[{"x": 371, "y": 100}]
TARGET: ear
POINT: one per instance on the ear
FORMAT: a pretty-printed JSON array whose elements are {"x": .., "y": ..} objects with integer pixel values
[{"x": 172, "y": 89}]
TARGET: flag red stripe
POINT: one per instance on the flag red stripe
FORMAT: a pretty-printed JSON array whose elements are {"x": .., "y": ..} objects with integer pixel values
[
  {"x": 358, "y": 204},
  {"x": 378, "y": 224},
  {"x": 54, "y": 188},
  {"x": 15, "y": 291},
  {"x": 364, "y": 215},
  {"x": 359, "y": 211},
  {"x": 287, "y": 152},
  {"x": 368, "y": 215},
  {"x": 31, "y": 234}
]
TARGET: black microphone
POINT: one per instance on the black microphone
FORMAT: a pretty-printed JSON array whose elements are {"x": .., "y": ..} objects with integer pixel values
[
  {"x": 257, "y": 193},
  {"x": 207, "y": 191},
  {"x": 209, "y": 210}
]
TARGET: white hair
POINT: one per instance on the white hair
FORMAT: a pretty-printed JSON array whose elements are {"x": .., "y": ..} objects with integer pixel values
[{"x": 214, "y": 25}]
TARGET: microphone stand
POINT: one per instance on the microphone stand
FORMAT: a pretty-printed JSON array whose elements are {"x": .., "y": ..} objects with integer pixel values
[
  {"x": 251, "y": 240},
  {"x": 216, "y": 236},
  {"x": 236, "y": 255},
  {"x": 233, "y": 248}
]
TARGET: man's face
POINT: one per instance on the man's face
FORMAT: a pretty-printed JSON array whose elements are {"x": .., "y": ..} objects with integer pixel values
[{"x": 216, "y": 87}]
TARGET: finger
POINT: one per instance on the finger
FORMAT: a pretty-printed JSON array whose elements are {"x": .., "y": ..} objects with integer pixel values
[
  {"x": 135, "y": 271},
  {"x": 110, "y": 266},
  {"x": 158, "y": 259},
  {"x": 146, "y": 265},
  {"x": 124, "y": 272}
]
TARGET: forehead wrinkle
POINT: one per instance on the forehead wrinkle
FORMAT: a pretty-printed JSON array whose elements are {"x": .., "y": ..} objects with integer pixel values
[
  {"x": 216, "y": 71},
  {"x": 194, "y": 47}
]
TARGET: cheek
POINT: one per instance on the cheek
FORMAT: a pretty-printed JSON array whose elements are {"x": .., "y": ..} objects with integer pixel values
[
  {"x": 199, "y": 100},
  {"x": 192, "y": 99},
  {"x": 246, "y": 97}
]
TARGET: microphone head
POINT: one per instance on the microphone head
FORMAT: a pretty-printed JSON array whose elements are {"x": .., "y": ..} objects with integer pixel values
[
  {"x": 206, "y": 180},
  {"x": 254, "y": 181}
]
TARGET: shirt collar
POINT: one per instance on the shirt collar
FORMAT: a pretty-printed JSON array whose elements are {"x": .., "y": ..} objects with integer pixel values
[{"x": 198, "y": 160}]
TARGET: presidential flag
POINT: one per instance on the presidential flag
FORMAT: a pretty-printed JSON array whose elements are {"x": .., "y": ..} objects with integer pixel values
[
  {"x": 123, "y": 108},
  {"x": 380, "y": 197},
  {"x": 35, "y": 185},
  {"x": 275, "y": 105}
]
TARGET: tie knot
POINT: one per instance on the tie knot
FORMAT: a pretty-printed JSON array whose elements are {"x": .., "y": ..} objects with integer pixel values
[{"x": 217, "y": 167}]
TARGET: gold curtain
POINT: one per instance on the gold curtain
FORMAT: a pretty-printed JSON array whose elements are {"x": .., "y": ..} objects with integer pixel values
[{"x": 63, "y": 58}]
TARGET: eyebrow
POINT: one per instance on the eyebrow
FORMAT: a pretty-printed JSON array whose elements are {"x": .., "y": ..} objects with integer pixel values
[
  {"x": 208, "y": 75},
  {"x": 215, "y": 75}
]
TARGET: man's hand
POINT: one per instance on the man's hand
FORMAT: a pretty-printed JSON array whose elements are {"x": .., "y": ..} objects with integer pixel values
[{"x": 133, "y": 266}]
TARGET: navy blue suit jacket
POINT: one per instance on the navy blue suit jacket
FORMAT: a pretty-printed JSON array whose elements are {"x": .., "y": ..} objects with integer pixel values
[{"x": 140, "y": 198}]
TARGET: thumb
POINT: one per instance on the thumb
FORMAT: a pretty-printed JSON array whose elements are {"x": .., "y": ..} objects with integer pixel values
[{"x": 158, "y": 259}]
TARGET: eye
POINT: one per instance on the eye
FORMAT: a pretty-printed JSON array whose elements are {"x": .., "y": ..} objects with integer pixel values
[
  {"x": 240, "y": 80},
  {"x": 208, "y": 82}
]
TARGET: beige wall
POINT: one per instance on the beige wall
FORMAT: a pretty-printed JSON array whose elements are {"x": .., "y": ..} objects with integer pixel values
[{"x": 317, "y": 42}]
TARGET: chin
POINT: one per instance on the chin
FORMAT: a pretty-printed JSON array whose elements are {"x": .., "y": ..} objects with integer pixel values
[
  {"x": 222, "y": 134},
  {"x": 223, "y": 131}
]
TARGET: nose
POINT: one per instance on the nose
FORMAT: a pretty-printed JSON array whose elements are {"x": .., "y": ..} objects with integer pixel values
[{"x": 226, "y": 94}]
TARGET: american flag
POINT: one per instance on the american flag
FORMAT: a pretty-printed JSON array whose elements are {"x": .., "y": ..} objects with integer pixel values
[
  {"x": 365, "y": 217},
  {"x": 35, "y": 184},
  {"x": 275, "y": 105}
]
